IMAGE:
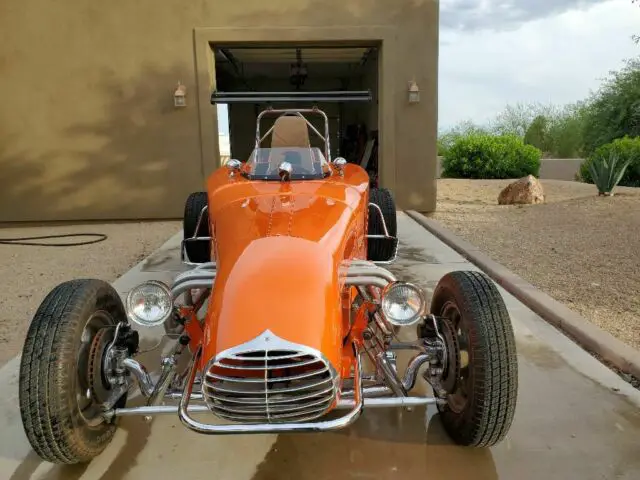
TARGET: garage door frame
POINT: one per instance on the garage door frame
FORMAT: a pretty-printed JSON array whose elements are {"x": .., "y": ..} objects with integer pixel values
[{"x": 384, "y": 37}]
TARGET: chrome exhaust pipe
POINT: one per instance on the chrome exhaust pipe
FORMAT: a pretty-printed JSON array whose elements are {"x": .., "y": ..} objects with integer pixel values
[{"x": 373, "y": 270}]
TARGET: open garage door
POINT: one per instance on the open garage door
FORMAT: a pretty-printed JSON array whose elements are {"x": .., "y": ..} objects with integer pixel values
[{"x": 341, "y": 80}]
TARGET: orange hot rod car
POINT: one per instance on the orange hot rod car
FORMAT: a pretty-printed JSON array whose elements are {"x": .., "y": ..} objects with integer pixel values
[{"x": 288, "y": 317}]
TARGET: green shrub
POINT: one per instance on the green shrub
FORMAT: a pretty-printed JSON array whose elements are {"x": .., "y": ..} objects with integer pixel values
[
  {"x": 479, "y": 155},
  {"x": 626, "y": 149}
]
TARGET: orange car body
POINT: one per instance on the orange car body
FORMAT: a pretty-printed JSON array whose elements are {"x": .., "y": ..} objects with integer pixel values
[{"x": 280, "y": 251}]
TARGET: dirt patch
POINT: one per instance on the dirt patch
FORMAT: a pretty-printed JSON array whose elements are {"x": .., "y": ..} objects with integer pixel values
[
  {"x": 577, "y": 247},
  {"x": 28, "y": 273}
]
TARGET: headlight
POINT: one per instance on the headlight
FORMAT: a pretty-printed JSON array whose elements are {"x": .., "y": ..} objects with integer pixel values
[
  {"x": 149, "y": 304},
  {"x": 402, "y": 303}
]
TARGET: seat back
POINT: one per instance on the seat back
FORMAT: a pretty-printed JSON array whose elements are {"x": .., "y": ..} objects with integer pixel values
[{"x": 290, "y": 131}]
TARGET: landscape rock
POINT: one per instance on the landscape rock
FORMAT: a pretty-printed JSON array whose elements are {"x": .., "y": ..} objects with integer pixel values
[{"x": 527, "y": 190}]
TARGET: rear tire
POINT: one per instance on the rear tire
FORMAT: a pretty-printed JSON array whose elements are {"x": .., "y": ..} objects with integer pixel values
[
  {"x": 197, "y": 252},
  {"x": 381, "y": 250},
  {"x": 57, "y": 394},
  {"x": 483, "y": 387}
]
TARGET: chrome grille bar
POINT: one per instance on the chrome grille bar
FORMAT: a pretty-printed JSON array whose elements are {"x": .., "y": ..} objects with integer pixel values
[
  {"x": 273, "y": 390},
  {"x": 258, "y": 401},
  {"x": 300, "y": 376},
  {"x": 269, "y": 380}
]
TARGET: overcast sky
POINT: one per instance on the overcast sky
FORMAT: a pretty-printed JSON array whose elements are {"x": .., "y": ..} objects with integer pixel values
[{"x": 495, "y": 52}]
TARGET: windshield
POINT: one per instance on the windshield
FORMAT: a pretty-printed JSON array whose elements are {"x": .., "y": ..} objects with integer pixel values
[{"x": 307, "y": 163}]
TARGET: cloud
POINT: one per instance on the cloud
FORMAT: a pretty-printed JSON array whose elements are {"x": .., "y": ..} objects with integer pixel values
[
  {"x": 557, "y": 59},
  {"x": 469, "y": 15}
]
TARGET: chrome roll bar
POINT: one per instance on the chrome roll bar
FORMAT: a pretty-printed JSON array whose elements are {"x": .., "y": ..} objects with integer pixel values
[{"x": 298, "y": 112}]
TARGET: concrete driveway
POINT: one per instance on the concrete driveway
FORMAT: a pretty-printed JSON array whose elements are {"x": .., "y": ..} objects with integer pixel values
[{"x": 575, "y": 418}]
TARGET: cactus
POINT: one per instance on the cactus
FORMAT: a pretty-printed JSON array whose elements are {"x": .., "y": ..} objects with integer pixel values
[{"x": 607, "y": 174}]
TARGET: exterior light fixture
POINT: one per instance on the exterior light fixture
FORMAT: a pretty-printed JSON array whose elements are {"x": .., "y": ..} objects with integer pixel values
[
  {"x": 414, "y": 92},
  {"x": 180, "y": 96}
]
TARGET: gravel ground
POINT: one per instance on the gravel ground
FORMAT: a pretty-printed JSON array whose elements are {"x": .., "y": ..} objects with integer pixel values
[
  {"x": 27, "y": 274},
  {"x": 581, "y": 249}
]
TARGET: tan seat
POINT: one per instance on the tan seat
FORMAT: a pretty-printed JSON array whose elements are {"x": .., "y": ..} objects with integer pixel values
[{"x": 290, "y": 131}]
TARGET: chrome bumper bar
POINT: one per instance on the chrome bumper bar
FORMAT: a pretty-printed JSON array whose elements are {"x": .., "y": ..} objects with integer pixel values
[
  {"x": 184, "y": 410},
  {"x": 343, "y": 404}
]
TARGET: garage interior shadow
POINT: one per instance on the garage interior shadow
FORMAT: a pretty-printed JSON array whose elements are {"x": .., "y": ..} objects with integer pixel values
[{"x": 292, "y": 68}]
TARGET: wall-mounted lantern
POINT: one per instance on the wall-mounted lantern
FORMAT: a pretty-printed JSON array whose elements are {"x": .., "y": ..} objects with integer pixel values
[
  {"x": 414, "y": 92},
  {"x": 180, "y": 96}
]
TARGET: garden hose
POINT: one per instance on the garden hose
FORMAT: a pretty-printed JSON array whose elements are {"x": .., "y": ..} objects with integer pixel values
[{"x": 26, "y": 241}]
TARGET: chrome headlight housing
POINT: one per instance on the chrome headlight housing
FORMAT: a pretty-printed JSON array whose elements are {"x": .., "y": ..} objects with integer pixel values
[
  {"x": 403, "y": 303},
  {"x": 149, "y": 304}
]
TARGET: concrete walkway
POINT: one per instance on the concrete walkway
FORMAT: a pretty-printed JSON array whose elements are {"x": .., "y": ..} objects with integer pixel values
[{"x": 575, "y": 418}]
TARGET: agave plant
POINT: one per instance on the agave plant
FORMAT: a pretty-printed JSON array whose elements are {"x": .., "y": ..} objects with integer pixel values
[{"x": 607, "y": 174}]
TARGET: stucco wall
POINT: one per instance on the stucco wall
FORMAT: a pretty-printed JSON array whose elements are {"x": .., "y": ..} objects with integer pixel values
[
  {"x": 560, "y": 168},
  {"x": 87, "y": 125}
]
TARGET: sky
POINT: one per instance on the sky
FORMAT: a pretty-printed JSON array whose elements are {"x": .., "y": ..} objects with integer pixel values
[{"x": 498, "y": 52}]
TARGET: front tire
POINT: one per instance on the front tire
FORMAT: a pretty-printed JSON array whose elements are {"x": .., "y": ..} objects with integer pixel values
[
  {"x": 482, "y": 373},
  {"x": 61, "y": 376}
]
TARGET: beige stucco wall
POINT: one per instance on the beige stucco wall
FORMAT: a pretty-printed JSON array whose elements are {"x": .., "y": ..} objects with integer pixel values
[{"x": 87, "y": 125}]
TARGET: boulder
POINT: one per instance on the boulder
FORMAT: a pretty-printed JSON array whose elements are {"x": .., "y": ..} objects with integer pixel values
[{"x": 527, "y": 190}]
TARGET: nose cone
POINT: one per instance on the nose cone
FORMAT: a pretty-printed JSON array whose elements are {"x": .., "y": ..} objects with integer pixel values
[{"x": 288, "y": 285}]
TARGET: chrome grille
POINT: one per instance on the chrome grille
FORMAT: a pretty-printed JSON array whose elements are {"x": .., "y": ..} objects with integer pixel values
[{"x": 269, "y": 380}]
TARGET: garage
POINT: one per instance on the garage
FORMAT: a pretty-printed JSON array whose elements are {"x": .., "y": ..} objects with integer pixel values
[{"x": 339, "y": 79}]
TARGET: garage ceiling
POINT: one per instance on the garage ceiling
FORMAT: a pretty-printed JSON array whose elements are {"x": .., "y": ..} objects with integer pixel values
[
  {"x": 308, "y": 55},
  {"x": 275, "y": 62}
]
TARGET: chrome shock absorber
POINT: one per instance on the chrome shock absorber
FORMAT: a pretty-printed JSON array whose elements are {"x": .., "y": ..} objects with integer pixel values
[
  {"x": 169, "y": 364},
  {"x": 437, "y": 350}
]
